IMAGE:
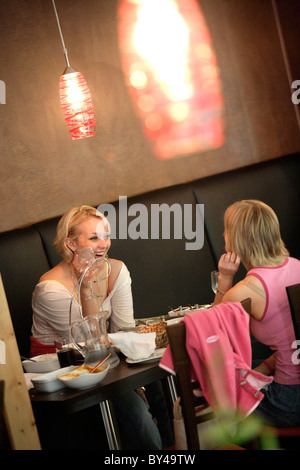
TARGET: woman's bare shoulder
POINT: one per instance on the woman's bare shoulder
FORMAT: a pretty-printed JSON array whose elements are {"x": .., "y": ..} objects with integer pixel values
[
  {"x": 115, "y": 263},
  {"x": 116, "y": 266},
  {"x": 237, "y": 293},
  {"x": 244, "y": 290},
  {"x": 55, "y": 274}
]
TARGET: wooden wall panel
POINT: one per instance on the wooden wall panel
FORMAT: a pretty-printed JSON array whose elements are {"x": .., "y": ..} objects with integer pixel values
[{"x": 43, "y": 172}]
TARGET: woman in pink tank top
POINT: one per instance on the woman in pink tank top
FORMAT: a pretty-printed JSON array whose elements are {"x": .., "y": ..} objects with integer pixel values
[{"x": 252, "y": 236}]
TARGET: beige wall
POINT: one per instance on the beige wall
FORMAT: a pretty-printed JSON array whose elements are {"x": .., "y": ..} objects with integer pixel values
[{"x": 43, "y": 172}]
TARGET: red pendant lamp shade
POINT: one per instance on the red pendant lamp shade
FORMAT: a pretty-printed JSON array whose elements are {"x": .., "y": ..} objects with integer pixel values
[
  {"x": 77, "y": 106},
  {"x": 172, "y": 73},
  {"x": 75, "y": 98}
]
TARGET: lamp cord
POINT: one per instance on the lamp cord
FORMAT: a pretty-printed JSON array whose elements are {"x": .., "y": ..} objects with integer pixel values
[{"x": 61, "y": 36}]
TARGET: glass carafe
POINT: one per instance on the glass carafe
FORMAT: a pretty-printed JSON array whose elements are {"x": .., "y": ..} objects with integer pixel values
[
  {"x": 90, "y": 338},
  {"x": 89, "y": 335}
]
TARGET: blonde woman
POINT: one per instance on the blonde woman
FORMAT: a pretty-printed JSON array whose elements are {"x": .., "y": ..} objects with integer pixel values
[
  {"x": 252, "y": 236},
  {"x": 82, "y": 227}
]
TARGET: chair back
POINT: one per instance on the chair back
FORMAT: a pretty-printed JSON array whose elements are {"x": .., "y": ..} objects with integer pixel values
[
  {"x": 189, "y": 402},
  {"x": 246, "y": 304},
  {"x": 293, "y": 293}
]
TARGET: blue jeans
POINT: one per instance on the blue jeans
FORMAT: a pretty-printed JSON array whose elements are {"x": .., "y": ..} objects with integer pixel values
[
  {"x": 159, "y": 410},
  {"x": 136, "y": 426},
  {"x": 280, "y": 405}
]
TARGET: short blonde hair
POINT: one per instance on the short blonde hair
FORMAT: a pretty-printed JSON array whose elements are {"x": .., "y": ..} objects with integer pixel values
[
  {"x": 68, "y": 225},
  {"x": 252, "y": 231}
]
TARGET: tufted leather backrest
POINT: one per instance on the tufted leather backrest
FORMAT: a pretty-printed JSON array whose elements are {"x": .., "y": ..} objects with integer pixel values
[{"x": 22, "y": 262}]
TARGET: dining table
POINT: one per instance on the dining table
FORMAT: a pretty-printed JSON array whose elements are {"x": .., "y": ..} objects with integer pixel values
[{"x": 120, "y": 379}]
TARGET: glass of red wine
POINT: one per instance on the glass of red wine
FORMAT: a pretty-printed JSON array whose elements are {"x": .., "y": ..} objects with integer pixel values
[{"x": 67, "y": 355}]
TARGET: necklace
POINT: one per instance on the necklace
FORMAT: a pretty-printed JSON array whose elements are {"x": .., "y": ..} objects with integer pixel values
[{"x": 72, "y": 276}]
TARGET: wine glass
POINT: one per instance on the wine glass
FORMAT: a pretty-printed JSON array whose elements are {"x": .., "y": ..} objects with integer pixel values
[
  {"x": 87, "y": 255},
  {"x": 91, "y": 267},
  {"x": 214, "y": 280}
]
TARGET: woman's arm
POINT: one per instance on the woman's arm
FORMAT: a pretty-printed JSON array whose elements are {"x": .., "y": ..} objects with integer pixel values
[
  {"x": 228, "y": 265},
  {"x": 267, "y": 367},
  {"x": 122, "y": 302},
  {"x": 93, "y": 286}
]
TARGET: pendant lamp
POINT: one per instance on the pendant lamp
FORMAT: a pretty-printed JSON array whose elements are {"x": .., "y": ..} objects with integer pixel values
[
  {"x": 172, "y": 73},
  {"x": 75, "y": 98}
]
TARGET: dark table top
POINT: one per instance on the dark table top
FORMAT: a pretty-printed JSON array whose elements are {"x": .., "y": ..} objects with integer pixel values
[{"x": 120, "y": 379}]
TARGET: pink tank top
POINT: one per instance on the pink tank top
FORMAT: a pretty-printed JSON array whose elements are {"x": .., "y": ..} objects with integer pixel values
[{"x": 276, "y": 327}]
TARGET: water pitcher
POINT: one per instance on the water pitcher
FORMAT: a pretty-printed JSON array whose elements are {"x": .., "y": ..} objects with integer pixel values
[{"x": 90, "y": 338}]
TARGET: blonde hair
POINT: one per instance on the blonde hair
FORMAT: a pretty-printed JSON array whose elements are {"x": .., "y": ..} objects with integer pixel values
[
  {"x": 67, "y": 227},
  {"x": 252, "y": 231}
]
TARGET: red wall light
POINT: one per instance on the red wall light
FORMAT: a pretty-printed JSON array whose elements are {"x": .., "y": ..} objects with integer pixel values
[{"x": 171, "y": 70}]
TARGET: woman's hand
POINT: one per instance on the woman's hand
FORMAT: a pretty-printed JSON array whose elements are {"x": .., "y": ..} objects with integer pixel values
[
  {"x": 228, "y": 265},
  {"x": 79, "y": 267}
]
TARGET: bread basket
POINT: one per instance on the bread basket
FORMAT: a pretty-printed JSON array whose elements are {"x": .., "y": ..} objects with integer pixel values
[{"x": 161, "y": 340}]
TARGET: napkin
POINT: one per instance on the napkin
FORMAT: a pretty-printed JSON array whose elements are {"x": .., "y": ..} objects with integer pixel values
[
  {"x": 28, "y": 376},
  {"x": 135, "y": 346}
]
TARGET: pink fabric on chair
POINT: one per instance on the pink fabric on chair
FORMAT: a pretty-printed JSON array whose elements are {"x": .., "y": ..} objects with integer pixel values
[{"x": 219, "y": 346}]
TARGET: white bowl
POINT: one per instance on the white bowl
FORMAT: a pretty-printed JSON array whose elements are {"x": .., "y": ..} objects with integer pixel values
[
  {"x": 49, "y": 382},
  {"x": 85, "y": 380},
  {"x": 43, "y": 363}
]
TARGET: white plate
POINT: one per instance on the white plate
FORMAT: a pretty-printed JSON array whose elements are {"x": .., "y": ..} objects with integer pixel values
[
  {"x": 43, "y": 363},
  {"x": 49, "y": 382},
  {"x": 174, "y": 321},
  {"x": 181, "y": 311},
  {"x": 178, "y": 312},
  {"x": 155, "y": 357}
]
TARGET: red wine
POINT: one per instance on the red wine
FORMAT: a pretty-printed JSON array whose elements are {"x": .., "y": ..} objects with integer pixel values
[{"x": 67, "y": 357}]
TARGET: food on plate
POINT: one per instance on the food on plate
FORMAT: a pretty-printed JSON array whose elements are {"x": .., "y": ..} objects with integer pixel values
[
  {"x": 159, "y": 328},
  {"x": 81, "y": 370}
]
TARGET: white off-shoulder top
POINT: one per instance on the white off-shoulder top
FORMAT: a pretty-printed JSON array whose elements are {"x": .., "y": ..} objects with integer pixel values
[{"x": 51, "y": 304}]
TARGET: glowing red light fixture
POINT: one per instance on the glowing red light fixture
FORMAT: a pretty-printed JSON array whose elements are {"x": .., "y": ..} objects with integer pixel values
[
  {"x": 172, "y": 73},
  {"x": 75, "y": 98}
]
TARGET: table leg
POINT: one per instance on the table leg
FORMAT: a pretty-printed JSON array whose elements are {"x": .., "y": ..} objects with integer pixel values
[
  {"x": 110, "y": 425},
  {"x": 172, "y": 388}
]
